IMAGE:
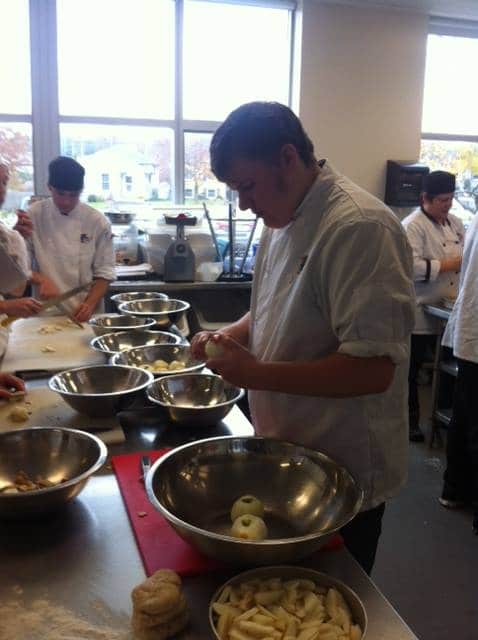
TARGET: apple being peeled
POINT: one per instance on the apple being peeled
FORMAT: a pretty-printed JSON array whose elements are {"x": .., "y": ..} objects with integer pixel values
[
  {"x": 247, "y": 505},
  {"x": 213, "y": 349},
  {"x": 249, "y": 527}
]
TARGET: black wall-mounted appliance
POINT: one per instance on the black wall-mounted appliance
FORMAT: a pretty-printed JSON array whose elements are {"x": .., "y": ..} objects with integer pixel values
[{"x": 404, "y": 183}]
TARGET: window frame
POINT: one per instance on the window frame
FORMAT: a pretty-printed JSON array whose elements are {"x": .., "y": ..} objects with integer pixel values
[{"x": 46, "y": 119}]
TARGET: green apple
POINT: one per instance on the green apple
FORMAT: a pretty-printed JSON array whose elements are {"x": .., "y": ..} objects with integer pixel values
[
  {"x": 248, "y": 527},
  {"x": 247, "y": 505}
]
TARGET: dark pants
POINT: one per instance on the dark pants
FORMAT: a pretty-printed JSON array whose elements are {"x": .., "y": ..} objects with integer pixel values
[
  {"x": 461, "y": 475},
  {"x": 362, "y": 534},
  {"x": 420, "y": 348}
]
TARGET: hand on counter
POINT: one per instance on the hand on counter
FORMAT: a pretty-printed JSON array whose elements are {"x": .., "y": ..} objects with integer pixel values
[
  {"x": 20, "y": 307},
  {"x": 9, "y": 382}
]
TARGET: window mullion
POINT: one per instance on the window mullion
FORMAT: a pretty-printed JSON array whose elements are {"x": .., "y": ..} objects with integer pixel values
[
  {"x": 178, "y": 102},
  {"x": 44, "y": 71}
]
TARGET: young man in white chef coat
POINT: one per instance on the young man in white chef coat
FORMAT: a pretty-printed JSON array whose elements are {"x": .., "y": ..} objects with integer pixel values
[
  {"x": 71, "y": 243},
  {"x": 324, "y": 348},
  {"x": 436, "y": 238},
  {"x": 461, "y": 334}
]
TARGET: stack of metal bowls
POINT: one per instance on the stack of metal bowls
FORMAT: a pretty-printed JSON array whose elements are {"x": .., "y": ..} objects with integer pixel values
[
  {"x": 65, "y": 457},
  {"x": 113, "y": 322},
  {"x": 100, "y": 390},
  {"x": 129, "y": 296},
  {"x": 307, "y": 497},
  {"x": 165, "y": 312},
  {"x": 112, "y": 343},
  {"x": 195, "y": 399},
  {"x": 146, "y": 357}
]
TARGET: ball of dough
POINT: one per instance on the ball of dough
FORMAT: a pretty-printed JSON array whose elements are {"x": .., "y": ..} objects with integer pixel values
[
  {"x": 18, "y": 414},
  {"x": 213, "y": 350},
  {"x": 247, "y": 504},
  {"x": 175, "y": 365},
  {"x": 249, "y": 527},
  {"x": 158, "y": 594}
]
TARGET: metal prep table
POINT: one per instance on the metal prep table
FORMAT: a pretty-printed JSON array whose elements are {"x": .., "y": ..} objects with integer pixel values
[
  {"x": 213, "y": 304},
  {"x": 439, "y": 416},
  {"x": 86, "y": 552}
]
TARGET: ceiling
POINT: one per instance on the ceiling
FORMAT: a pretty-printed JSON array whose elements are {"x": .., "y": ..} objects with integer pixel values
[{"x": 457, "y": 9}]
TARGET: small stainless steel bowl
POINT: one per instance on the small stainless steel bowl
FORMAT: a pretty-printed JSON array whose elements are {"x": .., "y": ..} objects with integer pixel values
[
  {"x": 307, "y": 496},
  {"x": 129, "y": 296},
  {"x": 113, "y": 343},
  {"x": 357, "y": 609},
  {"x": 145, "y": 357},
  {"x": 165, "y": 312},
  {"x": 109, "y": 322},
  {"x": 120, "y": 217},
  {"x": 100, "y": 390},
  {"x": 194, "y": 399},
  {"x": 53, "y": 454}
]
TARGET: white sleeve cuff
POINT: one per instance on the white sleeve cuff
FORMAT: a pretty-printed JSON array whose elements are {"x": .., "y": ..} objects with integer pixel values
[{"x": 398, "y": 352}]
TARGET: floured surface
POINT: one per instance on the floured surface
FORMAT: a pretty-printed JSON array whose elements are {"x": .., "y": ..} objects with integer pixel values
[
  {"x": 47, "y": 409},
  {"x": 45, "y": 620},
  {"x": 50, "y": 343}
]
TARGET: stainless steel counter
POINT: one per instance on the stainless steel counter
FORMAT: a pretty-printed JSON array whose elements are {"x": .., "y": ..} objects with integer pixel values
[{"x": 87, "y": 553}]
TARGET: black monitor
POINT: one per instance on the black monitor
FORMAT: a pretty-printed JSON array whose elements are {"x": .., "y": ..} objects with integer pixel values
[{"x": 404, "y": 183}]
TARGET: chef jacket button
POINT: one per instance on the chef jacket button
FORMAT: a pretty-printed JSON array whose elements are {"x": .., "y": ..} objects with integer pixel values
[{"x": 444, "y": 244}]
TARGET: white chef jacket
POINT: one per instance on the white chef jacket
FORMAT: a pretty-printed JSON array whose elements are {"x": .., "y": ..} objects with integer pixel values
[
  {"x": 461, "y": 332},
  {"x": 337, "y": 278},
  {"x": 14, "y": 270},
  {"x": 71, "y": 249},
  {"x": 432, "y": 242}
]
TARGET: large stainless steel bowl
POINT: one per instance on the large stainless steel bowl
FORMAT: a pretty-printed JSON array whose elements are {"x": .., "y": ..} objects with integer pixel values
[
  {"x": 307, "y": 496},
  {"x": 165, "y": 312},
  {"x": 113, "y": 343},
  {"x": 194, "y": 399},
  {"x": 286, "y": 573},
  {"x": 100, "y": 390},
  {"x": 52, "y": 454},
  {"x": 145, "y": 357},
  {"x": 113, "y": 322},
  {"x": 129, "y": 296}
]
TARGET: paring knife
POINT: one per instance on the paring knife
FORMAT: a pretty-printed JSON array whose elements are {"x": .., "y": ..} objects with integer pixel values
[{"x": 145, "y": 464}]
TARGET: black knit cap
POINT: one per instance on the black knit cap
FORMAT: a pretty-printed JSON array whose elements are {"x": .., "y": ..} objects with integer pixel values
[
  {"x": 66, "y": 174},
  {"x": 438, "y": 182}
]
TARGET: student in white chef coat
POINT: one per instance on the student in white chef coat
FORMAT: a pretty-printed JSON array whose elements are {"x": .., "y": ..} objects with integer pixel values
[
  {"x": 461, "y": 334},
  {"x": 14, "y": 274},
  {"x": 324, "y": 348},
  {"x": 436, "y": 237},
  {"x": 71, "y": 243}
]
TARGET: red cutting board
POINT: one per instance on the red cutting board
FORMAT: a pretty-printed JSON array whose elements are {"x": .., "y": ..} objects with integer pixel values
[{"x": 159, "y": 545}]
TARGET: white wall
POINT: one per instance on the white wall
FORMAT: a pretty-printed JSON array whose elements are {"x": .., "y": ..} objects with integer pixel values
[{"x": 361, "y": 87}]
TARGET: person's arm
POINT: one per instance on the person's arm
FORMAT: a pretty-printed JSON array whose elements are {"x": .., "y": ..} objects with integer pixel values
[
  {"x": 85, "y": 310},
  {"x": 20, "y": 307},
  {"x": 451, "y": 264},
  {"x": 9, "y": 382},
  {"x": 238, "y": 331},
  {"x": 424, "y": 269},
  {"x": 24, "y": 224},
  {"x": 46, "y": 288},
  {"x": 334, "y": 376}
]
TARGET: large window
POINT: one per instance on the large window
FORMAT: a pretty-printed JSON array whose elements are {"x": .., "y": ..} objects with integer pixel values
[
  {"x": 134, "y": 90},
  {"x": 15, "y": 103},
  {"x": 450, "y": 124}
]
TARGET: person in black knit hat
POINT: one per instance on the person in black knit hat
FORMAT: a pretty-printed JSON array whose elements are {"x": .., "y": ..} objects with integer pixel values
[{"x": 437, "y": 238}]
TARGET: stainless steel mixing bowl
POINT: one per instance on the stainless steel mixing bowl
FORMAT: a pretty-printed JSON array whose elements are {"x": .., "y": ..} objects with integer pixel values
[
  {"x": 307, "y": 496},
  {"x": 100, "y": 390},
  {"x": 165, "y": 312},
  {"x": 52, "y": 454},
  {"x": 357, "y": 609},
  {"x": 145, "y": 357},
  {"x": 129, "y": 296},
  {"x": 194, "y": 399},
  {"x": 109, "y": 322},
  {"x": 112, "y": 343}
]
